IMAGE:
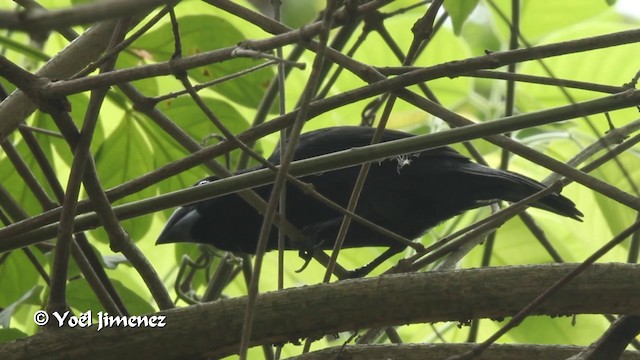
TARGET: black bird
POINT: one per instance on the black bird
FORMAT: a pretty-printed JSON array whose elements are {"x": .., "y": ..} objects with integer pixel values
[{"x": 407, "y": 195}]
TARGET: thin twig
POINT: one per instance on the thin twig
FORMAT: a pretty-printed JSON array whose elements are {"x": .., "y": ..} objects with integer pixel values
[{"x": 522, "y": 314}]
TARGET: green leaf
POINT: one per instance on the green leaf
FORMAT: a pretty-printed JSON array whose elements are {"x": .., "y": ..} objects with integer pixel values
[
  {"x": 7, "y": 42},
  {"x": 541, "y": 18},
  {"x": 82, "y": 298},
  {"x": 15, "y": 184},
  {"x": 184, "y": 112},
  {"x": 10, "y": 178},
  {"x": 608, "y": 66},
  {"x": 124, "y": 155},
  {"x": 79, "y": 103},
  {"x": 148, "y": 86},
  {"x": 200, "y": 33},
  {"x": 450, "y": 92},
  {"x": 29, "y": 297},
  {"x": 561, "y": 330},
  {"x": 625, "y": 175},
  {"x": 459, "y": 11},
  {"x": 7, "y": 335},
  {"x": 112, "y": 261}
]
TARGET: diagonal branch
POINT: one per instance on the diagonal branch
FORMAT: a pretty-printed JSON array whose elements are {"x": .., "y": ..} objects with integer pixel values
[{"x": 37, "y": 19}]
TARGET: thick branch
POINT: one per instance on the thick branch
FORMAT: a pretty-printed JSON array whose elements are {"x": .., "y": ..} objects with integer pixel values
[
  {"x": 41, "y": 19},
  {"x": 443, "y": 351},
  {"x": 214, "y": 328}
]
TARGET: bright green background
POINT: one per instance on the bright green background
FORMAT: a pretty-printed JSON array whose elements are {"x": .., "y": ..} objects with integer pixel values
[{"x": 127, "y": 145}]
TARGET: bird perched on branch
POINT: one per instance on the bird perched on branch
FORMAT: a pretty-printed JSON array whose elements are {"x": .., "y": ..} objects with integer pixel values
[{"x": 407, "y": 195}]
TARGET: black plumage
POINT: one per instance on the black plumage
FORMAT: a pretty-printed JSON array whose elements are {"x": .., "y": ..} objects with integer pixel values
[{"x": 407, "y": 195}]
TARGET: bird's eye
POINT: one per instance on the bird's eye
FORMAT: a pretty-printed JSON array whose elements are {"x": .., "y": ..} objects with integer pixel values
[{"x": 202, "y": 182}]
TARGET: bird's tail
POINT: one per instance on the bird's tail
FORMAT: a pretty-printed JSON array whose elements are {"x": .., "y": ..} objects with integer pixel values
[{"x": 512, "y": 187}]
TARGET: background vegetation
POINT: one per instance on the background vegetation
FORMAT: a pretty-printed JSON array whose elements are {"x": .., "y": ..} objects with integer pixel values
[{"x": 464, "y": 59}]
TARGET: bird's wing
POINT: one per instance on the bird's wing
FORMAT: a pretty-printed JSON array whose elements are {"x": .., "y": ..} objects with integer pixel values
[{"x": 339, "y": 138}]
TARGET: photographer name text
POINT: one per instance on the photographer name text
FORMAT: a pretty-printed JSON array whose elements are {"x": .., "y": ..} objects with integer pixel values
[{"x": 104, "y": 320}]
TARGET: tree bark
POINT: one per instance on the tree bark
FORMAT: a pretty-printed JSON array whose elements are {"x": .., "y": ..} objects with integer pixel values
[{"x": 313, "y": 311}]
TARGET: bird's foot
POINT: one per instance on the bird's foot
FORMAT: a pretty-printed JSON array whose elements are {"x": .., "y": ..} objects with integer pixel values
[
  {"x": 310, "y": 247},
  {"x": 306, "y": 255},
  {"x": 357, "y": 273}
]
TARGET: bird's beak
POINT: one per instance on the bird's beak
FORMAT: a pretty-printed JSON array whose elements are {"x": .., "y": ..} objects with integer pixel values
[{"x": 179, "y": 226}]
